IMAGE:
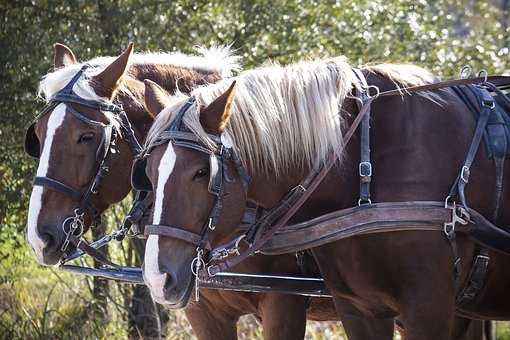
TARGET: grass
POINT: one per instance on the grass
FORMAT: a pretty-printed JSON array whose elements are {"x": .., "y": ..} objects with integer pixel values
[{"x": 43, "y": 303}]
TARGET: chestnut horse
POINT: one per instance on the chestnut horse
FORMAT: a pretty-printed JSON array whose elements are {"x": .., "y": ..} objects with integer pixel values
[
  {"x": 67, "y": 153},
  {"x": 266, "y": 130}
]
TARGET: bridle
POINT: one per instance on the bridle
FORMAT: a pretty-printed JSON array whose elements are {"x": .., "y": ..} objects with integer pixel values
[
  {"x": 177, "y": 134},
  {"x": 73, "y": 226}
]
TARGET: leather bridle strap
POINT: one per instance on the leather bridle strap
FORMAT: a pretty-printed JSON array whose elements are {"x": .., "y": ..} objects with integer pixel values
[
  {"x": 58, "y": 186},
  {"x": 177, "y": 233}
]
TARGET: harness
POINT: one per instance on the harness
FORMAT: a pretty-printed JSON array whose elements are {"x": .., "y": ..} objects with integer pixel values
[
  {"x": 73, "y": 226},
  {"x": 273, "y": 220}
]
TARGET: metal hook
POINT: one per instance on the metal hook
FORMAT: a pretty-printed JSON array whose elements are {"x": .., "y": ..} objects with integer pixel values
[
  {"x": 210, "y": 224},
  {"x": 449, "y": 202}
]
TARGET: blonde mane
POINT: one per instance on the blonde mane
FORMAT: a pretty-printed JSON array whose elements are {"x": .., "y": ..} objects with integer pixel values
[{"x": 284, "y": 118}]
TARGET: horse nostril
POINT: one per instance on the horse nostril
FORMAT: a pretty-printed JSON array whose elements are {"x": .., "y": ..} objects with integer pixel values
[
  {"x": 49, "y": 242},
  {"x": 169, "y": 282},
  {"x": 46, "y": 238}
]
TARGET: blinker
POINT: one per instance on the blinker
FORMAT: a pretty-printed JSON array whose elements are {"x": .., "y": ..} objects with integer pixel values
[
  {"x": 139, "y": 179},
  {"x": 215, "y": 177},
  {"x": 32, "y": 143}
]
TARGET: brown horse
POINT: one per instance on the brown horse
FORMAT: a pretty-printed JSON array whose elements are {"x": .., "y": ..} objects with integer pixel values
[
  {"x": 67, "y": 150},
  {"x": 276, "y": 124}
]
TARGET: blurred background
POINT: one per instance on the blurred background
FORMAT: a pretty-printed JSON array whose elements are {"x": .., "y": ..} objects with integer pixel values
[{"x": 44, "y": 303}]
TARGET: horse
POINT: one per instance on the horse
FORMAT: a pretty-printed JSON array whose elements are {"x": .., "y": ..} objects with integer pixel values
[
  {"x": 255, "y": 137},
  {"x": 67, "y": 150}
]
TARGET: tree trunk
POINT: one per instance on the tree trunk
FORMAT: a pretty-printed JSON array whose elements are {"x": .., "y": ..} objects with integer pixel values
[{"x": 99, "y": 305}]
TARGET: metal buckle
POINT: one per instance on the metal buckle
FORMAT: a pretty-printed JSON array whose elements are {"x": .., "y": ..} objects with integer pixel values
[
  {"x": 488, "y": 104},
  {"x": 365, "y": 169},
  {"x": 484, "y": 257},
  {"x": 464, "y": 174},
  {"x": 298, "y": 187},
  {"x": 362, "y": 201}
]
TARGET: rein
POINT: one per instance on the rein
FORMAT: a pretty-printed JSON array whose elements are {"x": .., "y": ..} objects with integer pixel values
[{"x": 73, "y": 226}]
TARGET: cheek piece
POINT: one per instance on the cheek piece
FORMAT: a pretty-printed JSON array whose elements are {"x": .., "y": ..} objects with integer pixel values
[
  {"x": 73, "y": 225},
  {"x": 177, "y": 134}
]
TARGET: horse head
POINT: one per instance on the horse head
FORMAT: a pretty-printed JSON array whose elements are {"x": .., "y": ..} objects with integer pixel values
[
  {"x": 197, "y": 187},
  {"x": 77, "y": 140}
]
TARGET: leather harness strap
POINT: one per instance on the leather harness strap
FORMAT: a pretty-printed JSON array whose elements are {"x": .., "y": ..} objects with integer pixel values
[
  {"x": 365, "y": 166},
  {"x": 361, "y": 220},
  {"x": 487, "y": 106}
]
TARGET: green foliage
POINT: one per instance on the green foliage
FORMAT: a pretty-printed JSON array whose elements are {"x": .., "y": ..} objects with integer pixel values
[{"x": 442, "y": 35}]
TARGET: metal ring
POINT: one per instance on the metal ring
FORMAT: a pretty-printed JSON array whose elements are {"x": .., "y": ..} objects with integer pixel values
[
  {"x": 483, "y": 73},
  {"x": 198, "y": 260},
  {"x": 376, "y": 94},
  {"x": 465, "y": 72}
]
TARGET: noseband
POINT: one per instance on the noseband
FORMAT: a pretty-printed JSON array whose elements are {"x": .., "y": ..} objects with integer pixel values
[
  {"x": 179, "y": 135},
  {"x": 73, "y": 225}
]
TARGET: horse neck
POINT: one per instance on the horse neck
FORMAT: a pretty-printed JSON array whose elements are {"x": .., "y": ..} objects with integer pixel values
[{"x": 338, "y": 189}]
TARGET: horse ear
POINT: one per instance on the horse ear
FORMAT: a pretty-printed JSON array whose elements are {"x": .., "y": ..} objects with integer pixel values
[
  {"x": 215, "y": 116},
  {"x": 108, "y": 80},
  {"x": 156, "y": 98},
  {"x": 63, "y": 56}
]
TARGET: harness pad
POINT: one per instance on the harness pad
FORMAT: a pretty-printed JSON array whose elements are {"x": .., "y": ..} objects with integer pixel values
[{"x": 497, "y": 133}]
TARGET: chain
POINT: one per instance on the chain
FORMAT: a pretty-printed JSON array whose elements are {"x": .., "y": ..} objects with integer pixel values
[{"x": 196, "y": 266}]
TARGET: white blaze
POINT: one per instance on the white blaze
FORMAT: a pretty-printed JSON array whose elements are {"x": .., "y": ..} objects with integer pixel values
[
  {"x": 54, "y": 122},
  {"x": 153, "y": 277}
]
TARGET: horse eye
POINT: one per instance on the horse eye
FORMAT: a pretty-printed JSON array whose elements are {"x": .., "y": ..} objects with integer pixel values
[
  {"x": 86, "y": 137},
  {"x": 201, "y": 173}
]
